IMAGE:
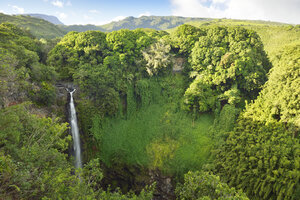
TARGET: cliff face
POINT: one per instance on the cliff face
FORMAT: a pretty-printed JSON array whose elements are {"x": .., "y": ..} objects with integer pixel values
[
  {"x": 13, "y": 90},
  {"x": 178, "y": 64}
]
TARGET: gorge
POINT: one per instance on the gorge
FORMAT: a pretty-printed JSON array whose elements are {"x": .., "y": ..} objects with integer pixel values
[{"x": 202, "y": 111}]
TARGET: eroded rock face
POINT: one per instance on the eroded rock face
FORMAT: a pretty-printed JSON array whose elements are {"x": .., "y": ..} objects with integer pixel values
[
  {"x": 164, "y": 186},
  {"x": 11, "y": 94},
  {"x": 178, "y": 64},
  {"x": 61, "y": 88},
  {"x": 135, "y": 178}
]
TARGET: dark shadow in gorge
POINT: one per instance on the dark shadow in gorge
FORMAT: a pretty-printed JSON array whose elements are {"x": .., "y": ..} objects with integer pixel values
[{"x": 135, "y": 178}]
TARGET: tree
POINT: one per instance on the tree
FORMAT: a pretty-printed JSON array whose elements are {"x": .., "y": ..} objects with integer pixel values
[
  {"x": 261, "y": 155},
  {"x": 262, "y": 159},
  {"x": 279, "y": 99},
  {"x": 205, "y": 186},
  {"x": 158, "y": 57},
  {"x": 77, "y": 49},
  {"x": 185, "y": 37},
  {"x": 226, "y": 61}
]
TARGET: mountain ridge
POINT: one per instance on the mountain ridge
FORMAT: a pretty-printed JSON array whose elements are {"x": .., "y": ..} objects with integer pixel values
[
  {"x": 42, "y": 28},
  {"x": 152, "y": 22},
  {"x": 50, "y": 18}
]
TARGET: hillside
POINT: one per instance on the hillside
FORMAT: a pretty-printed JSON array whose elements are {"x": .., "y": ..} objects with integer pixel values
[
  {"x": 81, "y": 28},
  {"x": 154, "y": 22},
  {"x": 49, "y": 18},
  {"x": 41, "y": 28},
  {"x": 38, "y": 27},
  {"x": 131, "y": 23}
]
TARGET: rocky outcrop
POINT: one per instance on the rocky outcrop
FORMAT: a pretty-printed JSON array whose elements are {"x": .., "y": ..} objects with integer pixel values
[
  {"x": 178, "y": 64},
  {"x": 164, "y": 185},
  {"x": 135, "y": 178}
]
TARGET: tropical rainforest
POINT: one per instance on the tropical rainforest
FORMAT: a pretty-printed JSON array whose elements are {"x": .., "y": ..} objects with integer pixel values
[{"x": 206, "y": 110}]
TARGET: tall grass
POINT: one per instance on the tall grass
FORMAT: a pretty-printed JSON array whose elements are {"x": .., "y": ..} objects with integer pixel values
[{"x": 158, "y": 134}]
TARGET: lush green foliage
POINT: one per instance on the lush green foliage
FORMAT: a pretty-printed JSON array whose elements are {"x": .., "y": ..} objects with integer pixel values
[
  {"x": 230, "y": 64},
  {"x": 261, "y": 159},
  {"x": 279, "y": 100},
  {"x": 273, "y": 35},
  {"x": 33, "y": 165},
  {"x": 261, "y": 155},
  {"x": 185, "y": 37},
  {"x": 204, "y": 186},
  {"x": 155, "y": 132},
  {"x": 22, "y": 75},
  {"x": 102, "y": 64},
  {"x": 157, "y": 57}
]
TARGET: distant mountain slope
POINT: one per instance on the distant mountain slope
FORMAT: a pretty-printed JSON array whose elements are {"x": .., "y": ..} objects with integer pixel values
[
  {"x": 49, "y": 18},
  {"x": 153, "y": 22},
  {"x": 81, "y": 28},
  {"x": 38, "y": 27}
]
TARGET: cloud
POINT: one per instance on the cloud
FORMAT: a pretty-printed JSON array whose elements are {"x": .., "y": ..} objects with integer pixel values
[
  {"x": 58, "y": 3},
  {"x": 279, "y": 10},
  {"x": 144, "y": 14},
  {"x": 118, "y": 18},
  {"x": 62, "y": 16},
  {"x": 194, "y": 8},
  {"x": 86, "y": 17},
  {"x": 69, "y": 3},
  {"x": 17, "y": 9},
  {"x": 94, "y": 11}
]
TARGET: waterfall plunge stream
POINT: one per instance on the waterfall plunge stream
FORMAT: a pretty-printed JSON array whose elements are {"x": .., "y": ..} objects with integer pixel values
[{"x": 75, "y": 132}]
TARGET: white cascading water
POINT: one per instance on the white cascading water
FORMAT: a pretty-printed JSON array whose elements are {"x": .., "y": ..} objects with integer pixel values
[{"x": 75, "y": 132}]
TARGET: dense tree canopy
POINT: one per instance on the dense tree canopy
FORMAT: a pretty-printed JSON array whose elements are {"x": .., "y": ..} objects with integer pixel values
[
  {"x": 205, "y": 186},
  {"x": 185, "y": 37},
  {"x": 279, "y": 99},
  {"x": 157, "y": 57},
  {"x": 20, "y": 68},
  {"x": 229, "y": 65},
  {"x": 261, "y": 155}
]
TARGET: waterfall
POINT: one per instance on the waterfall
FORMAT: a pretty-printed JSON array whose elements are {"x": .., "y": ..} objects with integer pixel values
[{"x": 75, "y": 131}]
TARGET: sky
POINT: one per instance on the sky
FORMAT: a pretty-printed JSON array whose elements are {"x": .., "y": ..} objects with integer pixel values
[{"x": 100, "y": 12}]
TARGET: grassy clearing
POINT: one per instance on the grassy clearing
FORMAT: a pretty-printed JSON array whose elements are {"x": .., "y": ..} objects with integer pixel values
[{"x": 158, "y": 135}]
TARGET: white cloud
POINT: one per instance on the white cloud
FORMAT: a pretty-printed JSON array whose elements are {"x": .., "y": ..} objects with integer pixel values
[
  {"x": 86, "y": 17},
  {"x": 274, "y": 10},
  {"x": 58, "y": 3},
  {"x": 219, "y": 1},
  {"x": 69, "y": 3},
  {"x": 193, "y": 8},
  {"x": 118, "y": 18},
  {"x": 145, "y": 14},
  {"x": 62, "y": 16},
  {"x": 17, "y": 9},
  {"x": 94, "y": 11}
]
